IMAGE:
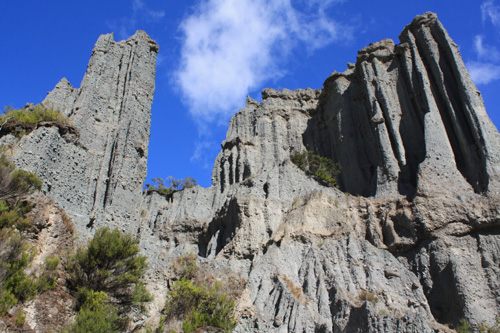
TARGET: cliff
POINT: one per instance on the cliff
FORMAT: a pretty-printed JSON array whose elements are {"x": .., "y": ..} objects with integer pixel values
[
  {"x": 408, "y": 243},
  {"x": 97, "y": 174}
]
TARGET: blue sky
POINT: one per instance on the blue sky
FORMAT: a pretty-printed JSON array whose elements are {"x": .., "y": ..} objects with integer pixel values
[{"x": 213, "y": 53}]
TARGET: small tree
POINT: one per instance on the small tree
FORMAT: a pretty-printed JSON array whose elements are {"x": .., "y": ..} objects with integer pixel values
[
  {"x": 110, "y": 263},
  {"x": 170, "y": 185}
]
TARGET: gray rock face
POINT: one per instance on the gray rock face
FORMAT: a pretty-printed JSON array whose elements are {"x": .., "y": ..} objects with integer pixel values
[
  {"x": 410, "y": 241},
  {"x": 407, "y": 118},
  {"x": 410, "y": 131},
  {"x": 98, "y": 177}
]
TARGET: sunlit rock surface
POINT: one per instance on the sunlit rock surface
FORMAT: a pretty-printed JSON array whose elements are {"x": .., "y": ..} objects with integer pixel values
[{"x": 408, "y": 243}]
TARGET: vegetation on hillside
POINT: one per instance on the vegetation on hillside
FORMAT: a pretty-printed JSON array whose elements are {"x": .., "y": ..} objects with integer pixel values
[
  {"x": 466, "y": 327},
  {"x": 32, "y": 115},
  {"x": 28, "y": 118},
  {"x": 96, "y": 315},
  {"x": 15, "y": 183},
  {"x": 106, "y": 277},
  {"x": 321, "y": 168},
  {"x": 199, "y": 300},
  {"x": 16, "y": 255}
]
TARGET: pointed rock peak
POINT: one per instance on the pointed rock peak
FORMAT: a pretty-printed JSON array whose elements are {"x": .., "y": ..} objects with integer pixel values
[
  {"x": 425, "y": 19},
  {"x": 382, "y": 50},
  {"x": 104, "y": 42},
  {"x": 142, "y": 36},
  {"x": 250, "y": 101},
  {"x": 56, "y": 98},
  {"x": 64, "y": 83},
  {"x": 384, "y": 44}
]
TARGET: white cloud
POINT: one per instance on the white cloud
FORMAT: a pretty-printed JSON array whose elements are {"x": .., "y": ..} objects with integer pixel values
[
  {"x": 485, "y": 51},
  {"x": 230, "y": 47},
  {"x": 486, "y": 69},
  {"x": 483, "y": 73},
  {"x": 204, "y": 152},
  {"x": 491, "y": 12}
]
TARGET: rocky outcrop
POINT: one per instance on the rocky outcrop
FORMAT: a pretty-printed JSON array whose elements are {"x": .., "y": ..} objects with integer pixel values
[
  {"x": 98, "y": 175},
  {"x": 410, "y": 131},
  {"x": 50, "y": 236},
  {"x": 407, "y": 118},
  {"x": 409, "y": 242}
]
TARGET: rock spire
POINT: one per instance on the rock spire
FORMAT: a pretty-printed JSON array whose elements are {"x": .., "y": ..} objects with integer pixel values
[{"x": 98, "y": 176}]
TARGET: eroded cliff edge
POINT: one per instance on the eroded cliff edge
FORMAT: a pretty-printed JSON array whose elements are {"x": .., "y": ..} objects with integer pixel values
[{"x": 414, "y": 226}]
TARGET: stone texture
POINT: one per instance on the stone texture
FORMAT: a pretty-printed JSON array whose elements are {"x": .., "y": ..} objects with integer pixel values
[
  {"x": 407, "y": 118},
  {"x": 98, "y": 178}
]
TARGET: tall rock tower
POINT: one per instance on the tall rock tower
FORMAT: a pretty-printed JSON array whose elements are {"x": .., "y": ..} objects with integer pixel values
[{"x": 97, "y": 175}]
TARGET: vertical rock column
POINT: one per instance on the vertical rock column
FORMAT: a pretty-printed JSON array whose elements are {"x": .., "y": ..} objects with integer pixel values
[{"x": 98, "y": 178}]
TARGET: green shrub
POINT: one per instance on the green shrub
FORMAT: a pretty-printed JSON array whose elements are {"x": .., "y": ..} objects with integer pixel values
[
  {"x": 110, "y": 263},
  {"x": 4, "y": 206},
  {"x": 51, "y": 263},
  {"x": 199, "y": 300},
  {"x": 17, "y": 281},
  {"x": 49, "y": 276},
  {"x": 16, "y": 285},
  {"x": 464, "y": 326},
  {"x": 16, "y": 183},
  {"x": 15, "y": 255},
  {"x": 321, "y": 168},
  {"x": 200, "y": 307},
  {"x": 97, "y": 316},
  {"x": 21, "y": 318},
  {"x": 141, "y": 296},
  {"x": 15, "y": 214},
  {"x": 185, "y": 266},
  {"x": 7, "y": 300},
  {"x": 32, "y": 115}
]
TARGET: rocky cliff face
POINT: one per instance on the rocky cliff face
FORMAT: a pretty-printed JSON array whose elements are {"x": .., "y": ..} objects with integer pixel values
[
  {"x": 97, "y": 175},
  {"x": 407, "y": 118},
  {"x": 408, "y": 243}
]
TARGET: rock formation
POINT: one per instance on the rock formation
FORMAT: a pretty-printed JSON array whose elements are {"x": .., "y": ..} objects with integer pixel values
[
  {"x": 96, "y": 176},
  {"x": 410, "y": 242},
  {"x": 407, "y": 118}
]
